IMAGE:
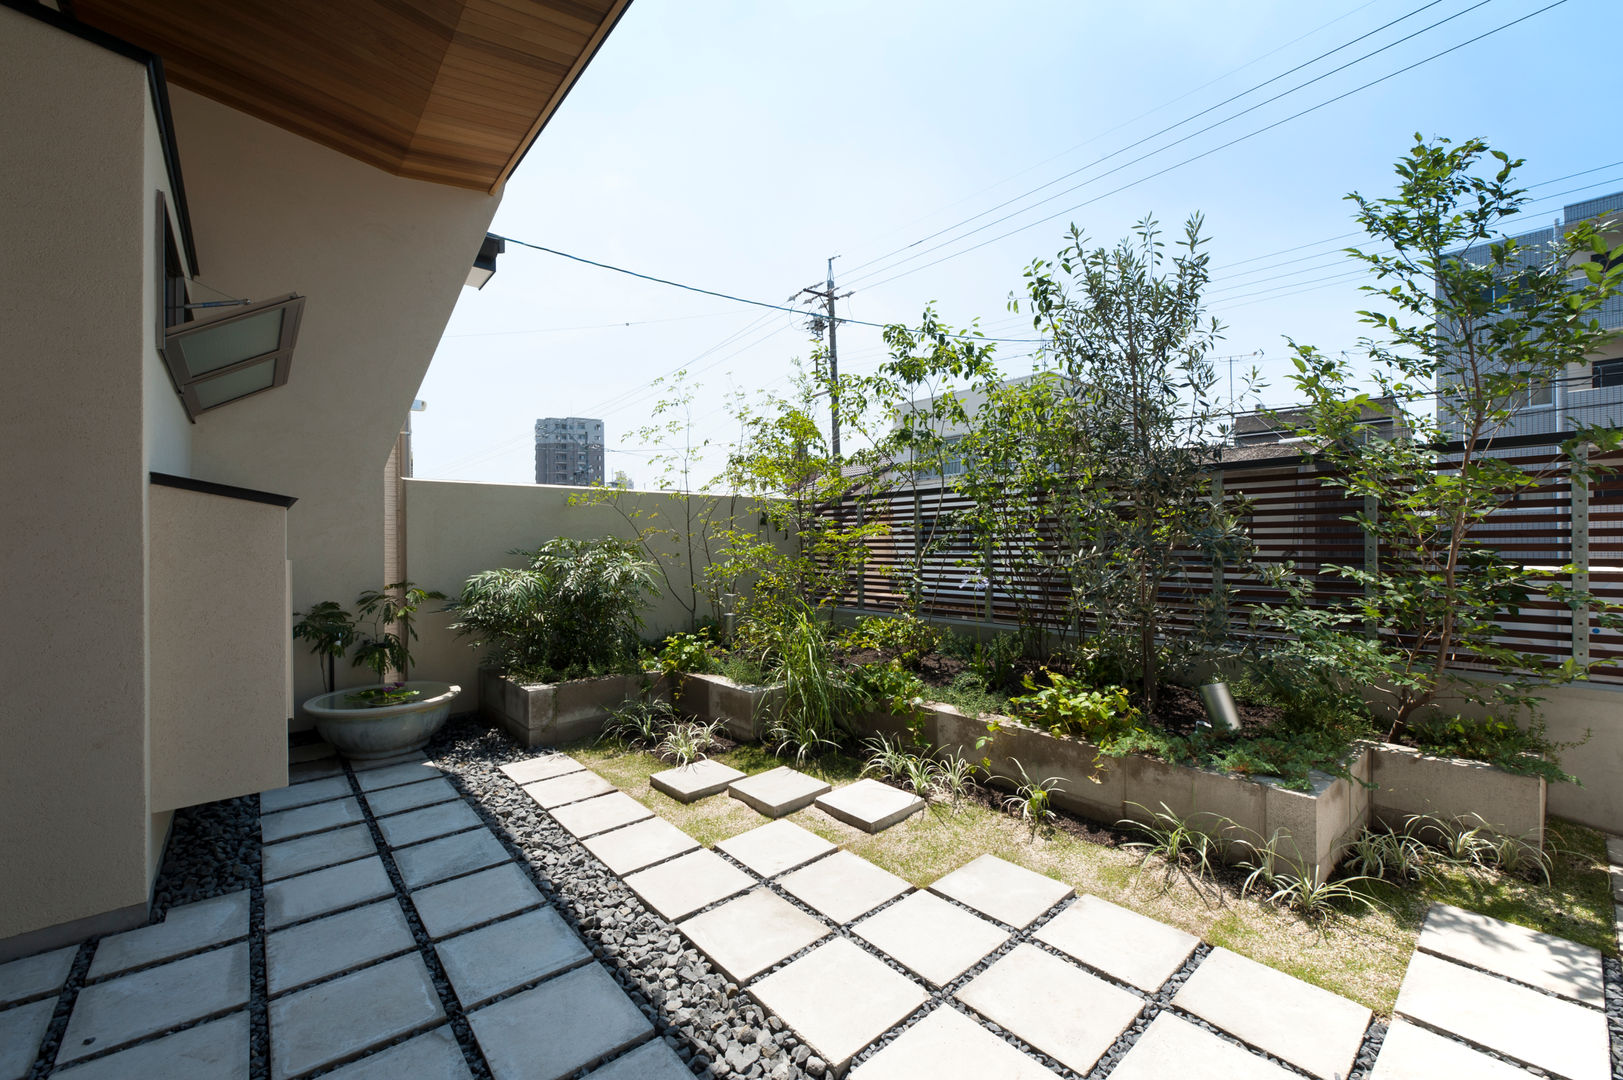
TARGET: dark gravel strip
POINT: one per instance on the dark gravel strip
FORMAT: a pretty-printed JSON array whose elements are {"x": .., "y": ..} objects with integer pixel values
[
  {"x": 64, "y": 1008},
  {"x": 258, "y": 978},
  {"x": 1614, "y": 1010}
]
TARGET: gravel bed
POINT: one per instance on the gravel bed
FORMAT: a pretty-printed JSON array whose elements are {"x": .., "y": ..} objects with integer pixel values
[
  {"x": 1614, "y": 1010},
  {"x": 213, "y": 849}
]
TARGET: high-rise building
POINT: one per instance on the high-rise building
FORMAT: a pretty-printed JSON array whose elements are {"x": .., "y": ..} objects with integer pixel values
[{"x": 569, "y": 451}]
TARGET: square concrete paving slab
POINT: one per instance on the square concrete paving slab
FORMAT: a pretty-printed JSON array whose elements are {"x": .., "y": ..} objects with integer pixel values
[
  {"x": 1313, "y": 1029},
  {"x": 838, "y": 999},
  {"x": 947, "y": 1045},
  {"x": 317, "y": 817},
  {"x": 775, "y": 847},
  {"x": 1067, "y": 1013},
  {"x": 313, "y": 852},
  {"x": 563, "y": 790},
  {"x": 22, "y": 1027},
  {"x": 869, "y": 805},
  {"x": 388, "y": 776},
  {"x": 303, "y": 794},
  {"x": 934, "y": 939},
  {"x": 1543, "y": 960},
  {"x": 1413, "y": 1053},
  {"x": 744, "y": 937},
  {"x": 544, "y": 767},
  {"x": 600, "y": 814},
  {"x": 643, "y": 844},
  {"x": 843, "y": 886},
  {"x": 1008, "y": 893},
  {"x": 650, "y": 1061},
  {"x": 678, "y": 888},
  {"x": 335, "y": 1020},
  {"x": 123, "y": 1009},
  {"x": 690, "y": 783},
  {"x": 503, "y": 956},
  {"x": 543, "y": 1034},
  {"x": 397, "y": 800},
  {"x": 415, "y": 826},
  {"x": 433, "y": 1055},
  {"x": 1172, "y": 1046},
  {"x": 217, "y": 1050},
  {"x": 468, "y": 901},
  {"x": 321, "y": 891},
  {"x": 316, "y": 751},
  {"x": 314, "y": 770},
  {"x": 32, "y": 976},
  {"x": 777, "y": 792},
  {"x": 185, "y": 929},
  {"x": 303, "y": 954},
  {"x": 1123, "y": 944},
  {"x": 1547, "y": 1033},
  {"x": 448, "y": 857},
  {"x": 373, "y": 764}
]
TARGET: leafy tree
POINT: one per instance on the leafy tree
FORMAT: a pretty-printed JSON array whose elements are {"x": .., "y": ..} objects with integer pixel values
[{"x": 1475, "y": 324}]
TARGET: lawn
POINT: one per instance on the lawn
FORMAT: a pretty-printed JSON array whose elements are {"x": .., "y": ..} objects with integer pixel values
[{"x": 1361, "y": 954}]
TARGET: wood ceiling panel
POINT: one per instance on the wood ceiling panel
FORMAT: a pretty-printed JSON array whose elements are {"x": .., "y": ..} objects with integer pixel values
[{"x": 451, "y": 91}]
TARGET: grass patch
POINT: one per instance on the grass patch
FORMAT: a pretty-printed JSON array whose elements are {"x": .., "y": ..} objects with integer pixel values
[{"x": 1361, "y": 955}]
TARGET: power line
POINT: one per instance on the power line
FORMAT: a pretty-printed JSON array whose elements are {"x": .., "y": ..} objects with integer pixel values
[{"x": 593, "y": 326}]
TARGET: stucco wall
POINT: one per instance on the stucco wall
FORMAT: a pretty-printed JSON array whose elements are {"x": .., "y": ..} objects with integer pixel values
[
  {"x": 75, "y": 285},
  {"x": 382, "y": 261},
  {"x": 455, "y": 530}
]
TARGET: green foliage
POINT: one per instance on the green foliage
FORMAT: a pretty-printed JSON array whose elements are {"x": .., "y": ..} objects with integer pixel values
[
  {"x": 1288, "y": 755},
  {"x": 574, "y": 610},
  {"x": 817, "y": 695},
  {"x": 1313, "y": 678},
  {"x": 968, "y": 694},
  {"x": 386, "y": 644},
  {"x": 642, "y": 723},
  {"x": 903, "y": 637},
  {"x": 378, "y": 697},
  {"x": 1031, "y": 800},
  {"x": 1471, "y": 844},
  {"x": 954, "y": 776},
  {"x": 919, "y": 773},
  {"x": 1280, "y": 877},
  {"x": 889, "y": 686},
  {"x": 685, "y": 654},
  {"x": 1067, "y": 706},
  {"x": 1519, "y": 750},
  {"x": 1190, "y": 849},
  {"x": 744, "y": 670},
  {"x": 687, "y": 742},
  {"x": 329, "y": 629},
  {"x": 1387, "y": 855},
  {"x": 995, "y": 660}
]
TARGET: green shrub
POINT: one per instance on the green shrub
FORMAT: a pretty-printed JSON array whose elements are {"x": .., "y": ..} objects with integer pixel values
[
  {"x": 995, "y": 660},
  {"x": 1511, "y": 748},
  {"x": 968, "y": 694},
  {"x": 888, "y": 686},
  {"x": 817, "y": 696},
  {"x": 687, "y": 654},
  {"x": 1067, "y": 706},
  {"x": 904, "y": 637}
]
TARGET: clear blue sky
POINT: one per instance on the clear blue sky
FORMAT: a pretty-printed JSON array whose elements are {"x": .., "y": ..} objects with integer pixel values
[{"x": 736, "y": 146}]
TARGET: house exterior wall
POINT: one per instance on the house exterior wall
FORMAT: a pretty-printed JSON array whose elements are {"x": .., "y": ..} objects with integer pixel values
[
  {"x": 381, "y": 260},
  {"x": 78, "y": 296}
]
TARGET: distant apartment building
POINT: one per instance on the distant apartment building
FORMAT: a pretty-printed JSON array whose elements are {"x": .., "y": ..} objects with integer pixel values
[
  {"x": 569, "y": 451},
  {"x": 1590, "y": 392}
]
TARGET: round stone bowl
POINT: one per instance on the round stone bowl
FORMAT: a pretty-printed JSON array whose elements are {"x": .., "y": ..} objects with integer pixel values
[{"x": 361, "y": 732}]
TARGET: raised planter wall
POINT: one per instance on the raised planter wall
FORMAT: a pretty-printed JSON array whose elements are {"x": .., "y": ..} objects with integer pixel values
[
  {"x": 1453, "y": 789},
  {"x": 744, "y": 711},
  {"x": 550, "y": 714}
]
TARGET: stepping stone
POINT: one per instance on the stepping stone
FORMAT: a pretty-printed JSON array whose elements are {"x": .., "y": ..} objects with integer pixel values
[
  {"x": 415, "y": 826},
  {"x": 308, "y": 819},
  {"x": 335, "y": 1020},
  {"x": 869, "y": 805},
  {"x": 544, "y": 767},
  {"x": 643, "y": 844},
  {"x": 1008, "y": 893},
  {"x": 777, "y": 792},
  {"x": 744, "y": 937},
  {"x": 433, "y": 1055},
  {"x": 32, "y": 976},
  {"x": 843, "y": 886},
  {"x": 544, "y": 1033},
  {"x": 838, "y": 999},
  {"x": 314, "y": 770},
  {"x": 449, "y": 857},
  {"x": 678, "y": 888},
  {"x": 410, "y": 796},
  {"x": 1548, "y": 962},
  {"x": 503, "y": 956},
  {"x": 217, "y": 1050},
  {"x": 947, "y": 1045},
  {"x": 562, "y": 790},
  {"x": 650, "y": 1061},
  {"x": 411, "y": 772},
  {"x": 129, "y": 1007},
  {"x": 1067, "y": 1013},
  {"x": 1614, "y": 850},
  {"x": 186, "y": 929},
  {"x": 1547, "y": 1033},
  {"x": 410, "y": 757},
  {"x": 317, "y": 751},
  {"x": 938, "y": 940},
  {"x": 478, "y": 898},
  {"x": 22, "y": 1029},
  {"x": 1413, "y": 1053},
  {"x": 303, "y": 794},
  {"x": 605, "y": 812},
  {"x": 1617, "y": 884},
  {"x": 337, "y": 943},
  {"x": 346, "y": 885},
  {"x": 777, "y": 846},
  {"x": 313, "y": 852},
  {"x": 1123, "y": 944},
  {"x": 1313, "y": 1029},
  {"x": 690, "y": 783},
  {"x": 1172, "y": 1046}
]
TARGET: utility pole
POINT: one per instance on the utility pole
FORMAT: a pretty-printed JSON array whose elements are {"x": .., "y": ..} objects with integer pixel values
[{"x": 827, "y": 295}]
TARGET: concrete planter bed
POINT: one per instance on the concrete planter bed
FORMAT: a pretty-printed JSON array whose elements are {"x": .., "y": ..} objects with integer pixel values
[
  {"x": 1410, "y": 782},
  {"x": 551, "y": 714},
  {"x": 743, "y": 710}
]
